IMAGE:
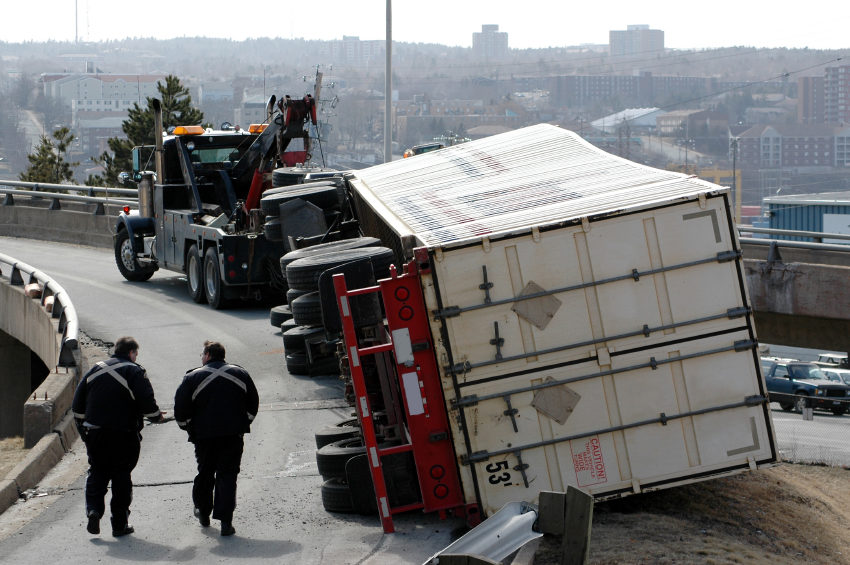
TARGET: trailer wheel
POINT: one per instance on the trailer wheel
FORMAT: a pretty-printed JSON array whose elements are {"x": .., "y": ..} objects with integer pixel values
[
  {"x": 336, "y": 496},
  {"x": 272, "y": 229},
  {"x": 343, "y": 429},
  {"x": 294, "y": 339},
  {"x": 195, "y": 275},
  {"x": 304, "y": 273},
  {"x": 212, "y": 280},
  {"x": 287, "y": 325},
  {"x": 294, "y": 293},
  {"x": 322, "y": 248},
  {"x": 331, "y": 458},
  {"x": 296, "y": 364},
  {"x": 279, "y": 314},
  {"x": 307, "y": 310},
  {"x": 125, "y": 259},
  {"x": 325, "y": 197},
  {"x": 328, "y": 365}
]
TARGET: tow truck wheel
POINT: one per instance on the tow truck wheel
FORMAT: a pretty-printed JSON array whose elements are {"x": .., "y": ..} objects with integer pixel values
[
  {"x": 125, "y": 258},
  {"x": 195, "y": 275},
  {"x": 212, "y": 280}
]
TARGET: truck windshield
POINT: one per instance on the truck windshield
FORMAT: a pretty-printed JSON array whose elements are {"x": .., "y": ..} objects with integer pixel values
[
  {"x": 807, "y": 372},
  {"x": 215, "y": 155}
]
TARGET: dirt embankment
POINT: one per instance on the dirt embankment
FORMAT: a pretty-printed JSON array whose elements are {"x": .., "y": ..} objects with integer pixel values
[{"x": 786, "y": 514}]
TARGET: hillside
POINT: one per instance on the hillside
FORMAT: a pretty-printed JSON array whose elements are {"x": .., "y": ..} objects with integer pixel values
[{"x": 787, "y": 514}]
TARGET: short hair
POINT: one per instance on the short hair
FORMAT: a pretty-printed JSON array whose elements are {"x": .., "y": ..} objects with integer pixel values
[
  {"x": 215, "y": 350},
  {"x": 125, "y": 345}
]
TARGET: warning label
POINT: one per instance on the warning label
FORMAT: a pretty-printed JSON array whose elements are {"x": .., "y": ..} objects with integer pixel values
[{"x": 588, "y": 461}]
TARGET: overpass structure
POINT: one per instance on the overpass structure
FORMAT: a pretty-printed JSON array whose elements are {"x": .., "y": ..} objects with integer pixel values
[
  {"x": 40, "y": 365},
  {"x": 800, "y": 292}
]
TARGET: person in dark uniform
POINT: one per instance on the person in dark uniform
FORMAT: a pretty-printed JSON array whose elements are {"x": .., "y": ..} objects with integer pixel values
[
  {"x": 216, "y": 404},
  {"x": 109, "y": 406}
]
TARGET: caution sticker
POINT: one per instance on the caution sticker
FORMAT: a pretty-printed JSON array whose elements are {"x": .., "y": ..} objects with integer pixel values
[{"x": 588, "y": 461}]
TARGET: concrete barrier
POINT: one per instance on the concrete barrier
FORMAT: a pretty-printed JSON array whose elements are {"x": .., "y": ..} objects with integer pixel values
[
  {"x": 66, "y": 226},
  {"x": 49, "y": 404}
]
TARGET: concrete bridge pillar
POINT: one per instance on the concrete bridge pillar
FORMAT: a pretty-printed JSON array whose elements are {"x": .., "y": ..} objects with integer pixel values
[{"x": 15, "y": 382}]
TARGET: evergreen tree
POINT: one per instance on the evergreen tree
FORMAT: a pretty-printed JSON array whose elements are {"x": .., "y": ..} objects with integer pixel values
[
  {"x": 177, "y": 110},
  {"x": 48, "y": 163}
]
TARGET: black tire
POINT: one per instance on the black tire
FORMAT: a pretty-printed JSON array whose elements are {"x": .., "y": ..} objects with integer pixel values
[
  {"x": 296, "y": 364},
  {"x": 195, "y": 275},
  {"x": 294, "y": 293},
  {"x": 294, "y": 340},
  {"x": 344, "y": 429},
  {"x": 213, "y": 288},
  {"x": 279, "y": 314},
  {"x": 126, "y": 260},
  {"x": 272, "y": 229},
  {"x": 287, "y": 176},
  {"x": 307, "y": 310},
  {"x": 336, "y": 496},
  {"x": 787, "y": 406},
  {"x": 839, "y": 411},
  {"x": 331, "y": 458},
  {"x": 304, "y": 273},
  {"x": 322, "y": 248},
  {"x": 288, "y": 325},
  {"x": 325, "y": 197},
  {"x": 324, "y": 366},
  {"x": 800, "y": 403},
  {"x": 311, "y": 184}
]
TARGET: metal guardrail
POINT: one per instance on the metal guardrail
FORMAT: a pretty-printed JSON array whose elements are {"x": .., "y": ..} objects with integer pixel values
[
  {"x": 99, "y": 201},
  {"x": 817, "y": 236},
  {"x": 21, "y": 274},
  {"x": 51, "y": 187}
]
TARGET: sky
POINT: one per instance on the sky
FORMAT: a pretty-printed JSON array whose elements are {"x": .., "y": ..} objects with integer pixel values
[{"x": 817, "y": 24}]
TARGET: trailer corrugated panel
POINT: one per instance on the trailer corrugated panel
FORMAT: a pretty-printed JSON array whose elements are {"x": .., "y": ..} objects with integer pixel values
[{"x": 590, "y": 315}]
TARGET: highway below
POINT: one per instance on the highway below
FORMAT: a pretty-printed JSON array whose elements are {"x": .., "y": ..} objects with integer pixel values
[{"x": 279, "y": 517}]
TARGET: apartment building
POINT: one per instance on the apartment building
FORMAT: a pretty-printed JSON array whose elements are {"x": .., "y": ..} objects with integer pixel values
[
  {"x": 635, "y": 40},
  {"x": 490, "y": 43},
  {"x": 794, "y": 146}
]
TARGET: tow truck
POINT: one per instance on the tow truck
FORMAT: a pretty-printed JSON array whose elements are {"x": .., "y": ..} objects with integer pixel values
[{"x": 199, "y": 212}]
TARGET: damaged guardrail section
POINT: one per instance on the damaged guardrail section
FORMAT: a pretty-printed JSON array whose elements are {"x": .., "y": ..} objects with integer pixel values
[{"x": 38, "y": 312}]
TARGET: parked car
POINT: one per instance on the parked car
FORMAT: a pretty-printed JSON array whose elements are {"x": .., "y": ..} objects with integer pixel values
[
  {"x": 837, "y": 374},
  {"x": 833, "y": 359},
  {"x": 794, "y": 383}
]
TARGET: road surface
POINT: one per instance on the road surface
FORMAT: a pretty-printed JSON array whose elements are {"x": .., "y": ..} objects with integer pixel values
[{"x": 279, "y": 517}]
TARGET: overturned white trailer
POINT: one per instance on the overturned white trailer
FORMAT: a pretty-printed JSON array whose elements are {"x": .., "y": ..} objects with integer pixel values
[{"x": 586, "y": 323}]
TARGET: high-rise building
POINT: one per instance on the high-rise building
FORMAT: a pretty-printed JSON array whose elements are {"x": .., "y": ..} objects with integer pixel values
[
  {"x": 490, "y": 43},
  {"x": 810, "y": 100},
  {"x": 635, "y": 40},
  {"x": 836, "y": 89}
]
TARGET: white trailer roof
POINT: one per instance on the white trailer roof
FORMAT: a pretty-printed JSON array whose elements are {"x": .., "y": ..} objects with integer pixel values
[{"x": 501, "y": 184}]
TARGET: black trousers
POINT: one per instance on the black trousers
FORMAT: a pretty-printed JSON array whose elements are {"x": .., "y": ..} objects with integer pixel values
[
  {"x": 214, "y": 489},
  {"x": 112, "y": 455}
]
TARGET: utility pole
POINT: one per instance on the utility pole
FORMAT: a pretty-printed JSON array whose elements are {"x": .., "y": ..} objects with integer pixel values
[{"x": 388, "y": 88}]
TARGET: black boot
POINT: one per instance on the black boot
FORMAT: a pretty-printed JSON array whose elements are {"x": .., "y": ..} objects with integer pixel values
[{"x": 93, "y": 527}]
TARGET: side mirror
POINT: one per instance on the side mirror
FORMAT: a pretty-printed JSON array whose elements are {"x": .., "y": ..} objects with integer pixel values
[{"x": 124, "y": 177}]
